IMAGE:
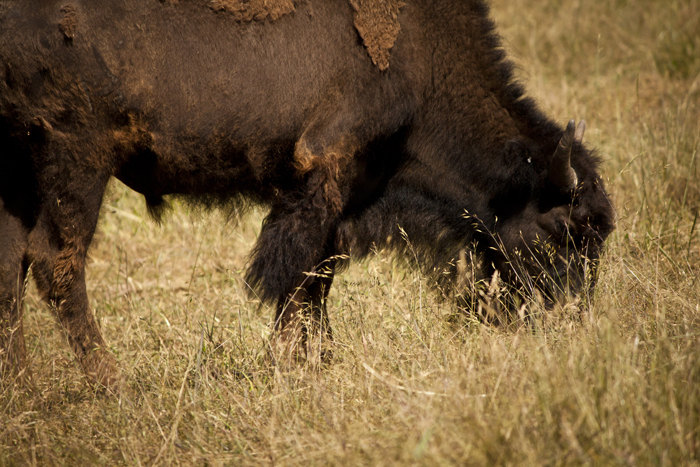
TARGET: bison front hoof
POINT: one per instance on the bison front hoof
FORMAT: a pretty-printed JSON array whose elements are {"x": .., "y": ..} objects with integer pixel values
[
  {"x": 287, "y": 347},
  {"x": 101, "y": 369},
  {"x": 319, "y": 350},
  {"x": 292, "y": 348}
]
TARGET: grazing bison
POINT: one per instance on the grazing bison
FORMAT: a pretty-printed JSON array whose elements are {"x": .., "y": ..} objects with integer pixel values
[{"x": 351, "y": 133}]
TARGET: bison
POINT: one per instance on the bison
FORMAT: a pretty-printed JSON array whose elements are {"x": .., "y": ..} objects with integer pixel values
[{"x": 353, "y": 121}]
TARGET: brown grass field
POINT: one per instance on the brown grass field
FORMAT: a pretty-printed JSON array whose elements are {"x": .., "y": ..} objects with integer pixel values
[{"x": 413, "y": 382}]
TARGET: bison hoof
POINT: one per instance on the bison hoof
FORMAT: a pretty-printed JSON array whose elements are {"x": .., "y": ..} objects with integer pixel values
[
  {"x": 293, "y": 347},
  {"x": 287, "y": 347},
  {"x": 319, "y": 349},
  {"x": 101, "y": 369}
]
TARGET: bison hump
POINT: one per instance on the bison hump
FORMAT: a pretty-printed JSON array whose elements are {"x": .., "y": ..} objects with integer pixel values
[
  {"x": 377, "y": 21},
  {"x": 254, "y": 10}
]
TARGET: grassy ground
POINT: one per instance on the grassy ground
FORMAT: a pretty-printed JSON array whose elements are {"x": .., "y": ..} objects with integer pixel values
[{"x": 411, "y": 384}]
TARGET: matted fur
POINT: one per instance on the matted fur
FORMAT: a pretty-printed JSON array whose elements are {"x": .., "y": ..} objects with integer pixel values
[
  {"x": 254, "y": 10},
  {"x": 69, "y": 22},
  {"x": 377, "y": 21}
]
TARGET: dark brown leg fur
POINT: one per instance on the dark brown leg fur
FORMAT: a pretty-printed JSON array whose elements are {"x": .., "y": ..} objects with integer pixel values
[
  {"x": 13, "y": 242},
  {"x": 302, "y": 329},
  {"x": 295, "y": 238},
  {"x": 319, "y": 336}
]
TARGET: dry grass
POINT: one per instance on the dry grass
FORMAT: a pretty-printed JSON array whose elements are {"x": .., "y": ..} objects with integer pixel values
[{"x": 412, "y": 384}]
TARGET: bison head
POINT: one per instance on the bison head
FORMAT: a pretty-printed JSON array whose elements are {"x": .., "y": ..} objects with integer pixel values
[{"x": 551, "y": 243}]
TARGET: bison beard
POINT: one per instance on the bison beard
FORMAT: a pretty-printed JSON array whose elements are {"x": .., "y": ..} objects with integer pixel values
[{"x": 298, "y": 111}]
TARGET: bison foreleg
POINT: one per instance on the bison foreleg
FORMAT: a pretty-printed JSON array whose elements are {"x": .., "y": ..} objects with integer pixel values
[
  {"x": 13, "y": 269},
  {"x": 295, "y": 234},
  {"x": 289, "y": 331},
  {"x": 294, "y": 246}
]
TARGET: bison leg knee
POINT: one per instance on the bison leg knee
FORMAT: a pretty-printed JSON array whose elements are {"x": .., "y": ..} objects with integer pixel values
[{"x": 13, "y": 269}]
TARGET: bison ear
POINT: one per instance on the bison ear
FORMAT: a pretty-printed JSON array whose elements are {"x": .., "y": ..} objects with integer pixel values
[{"x": 561, "y": 174}]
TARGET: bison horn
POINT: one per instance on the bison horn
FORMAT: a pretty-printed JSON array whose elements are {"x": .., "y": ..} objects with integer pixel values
[
  {"x": 561, "y": 174},
  {"x": 580, "y": 130}
]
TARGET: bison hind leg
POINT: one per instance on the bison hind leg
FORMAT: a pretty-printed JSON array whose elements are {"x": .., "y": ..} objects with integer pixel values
[{"x": 57, "y": 250}]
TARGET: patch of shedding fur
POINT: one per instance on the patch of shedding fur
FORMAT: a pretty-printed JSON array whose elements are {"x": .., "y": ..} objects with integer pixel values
[
  {"x": 304, "y": 159},
  {"x": 67, "y": 265},
  {"x": 69, "y": 22},
  {"x": 327, "y": 168},
  {"x": 254, "y": 10},
  {"x": 377, "y": 21}
]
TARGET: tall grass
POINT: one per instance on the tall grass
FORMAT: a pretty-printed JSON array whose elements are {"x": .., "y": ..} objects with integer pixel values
[{"x": 412, "y": 381}]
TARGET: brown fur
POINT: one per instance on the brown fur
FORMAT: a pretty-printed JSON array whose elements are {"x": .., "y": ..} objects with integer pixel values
[
  {"x": 330, "y": 163},
  {"x": 69, "y": 22},
  {"x": 293, "y": 115},
  {"x": 377, "y": 21},
  {"x": 254, "y": 10},
  {"x": 67, "y": 267}
]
